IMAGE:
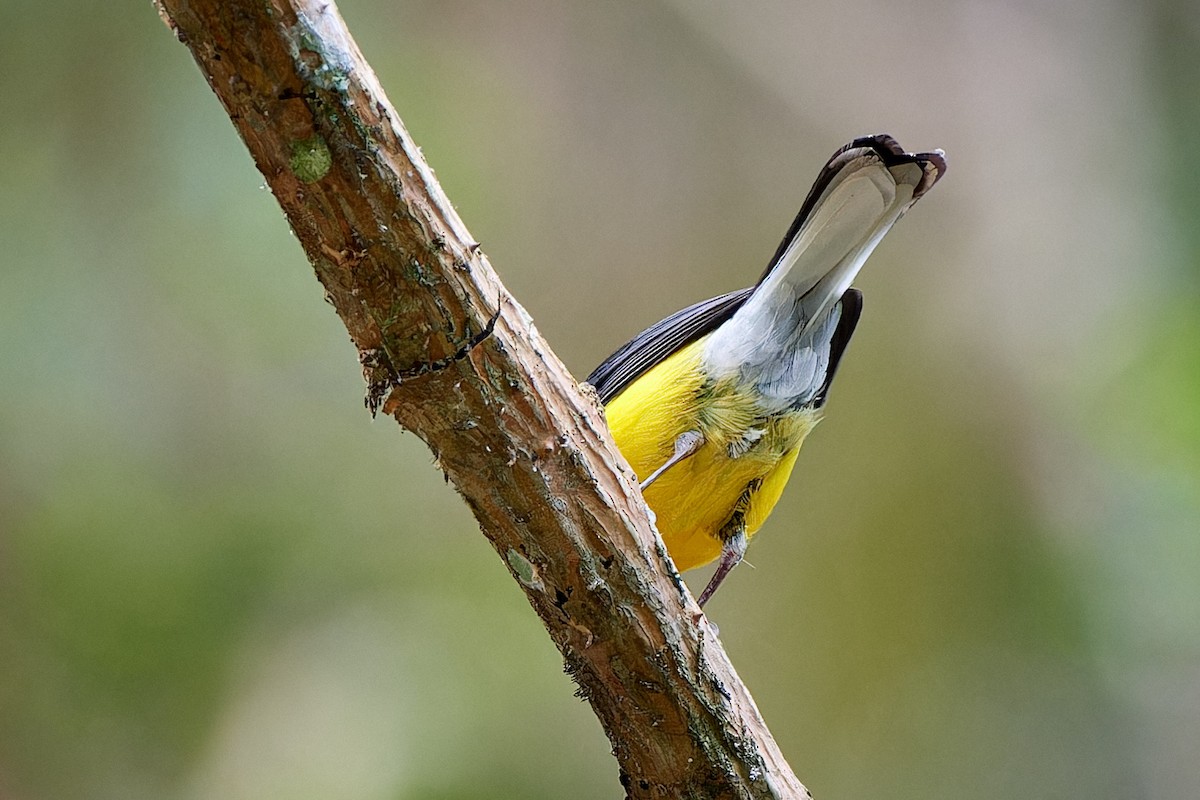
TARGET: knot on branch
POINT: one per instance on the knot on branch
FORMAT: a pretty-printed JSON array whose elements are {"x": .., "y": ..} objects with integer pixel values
[{"x": 382, "y": 375}]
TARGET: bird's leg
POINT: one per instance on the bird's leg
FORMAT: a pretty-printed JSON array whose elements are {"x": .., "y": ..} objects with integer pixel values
[
  {"x": 686, "y": 444},
  {"x": 731, "y": 555},
  {"x": 733, "y": 535}
]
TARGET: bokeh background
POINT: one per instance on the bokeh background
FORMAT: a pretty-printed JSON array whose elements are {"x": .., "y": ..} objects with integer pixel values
[{"x": 220, "y": 579}]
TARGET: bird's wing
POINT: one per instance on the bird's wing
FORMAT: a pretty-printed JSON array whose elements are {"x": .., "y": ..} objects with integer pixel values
[
  {"x": 650, "y": 347},
  {"x": 851, "y": 304}
]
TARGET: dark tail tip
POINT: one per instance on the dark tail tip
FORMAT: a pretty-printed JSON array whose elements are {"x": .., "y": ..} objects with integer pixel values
[{"x": 891, "y": 153}]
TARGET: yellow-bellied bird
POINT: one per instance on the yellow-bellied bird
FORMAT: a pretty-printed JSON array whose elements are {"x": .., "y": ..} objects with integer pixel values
[{"x": 710, "y": 405}]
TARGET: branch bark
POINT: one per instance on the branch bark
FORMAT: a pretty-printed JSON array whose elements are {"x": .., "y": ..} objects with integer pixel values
[{"x": 454, "y": 358}]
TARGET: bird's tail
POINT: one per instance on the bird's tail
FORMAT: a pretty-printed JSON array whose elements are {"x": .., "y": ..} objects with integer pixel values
[{"x": 860, "y": 193}]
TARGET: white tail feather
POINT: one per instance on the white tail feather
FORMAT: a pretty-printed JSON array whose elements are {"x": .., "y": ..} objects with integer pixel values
[{"x": 779, "y": 340}]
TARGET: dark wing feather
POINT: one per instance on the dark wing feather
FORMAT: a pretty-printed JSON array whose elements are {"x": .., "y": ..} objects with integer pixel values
[
  {"x": 851, "y": 303},
  {"x": 650, "y": 347}
]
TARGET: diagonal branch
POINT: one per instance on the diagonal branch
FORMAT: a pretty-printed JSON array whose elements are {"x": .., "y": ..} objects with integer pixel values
[{"x": 453, "y": 357}]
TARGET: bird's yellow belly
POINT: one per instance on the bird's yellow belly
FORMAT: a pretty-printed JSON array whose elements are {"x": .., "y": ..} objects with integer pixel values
[{"x": 696, "y": 497}]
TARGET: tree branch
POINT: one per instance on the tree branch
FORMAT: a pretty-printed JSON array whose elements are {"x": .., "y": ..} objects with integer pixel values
[{"x": 454, "y": 358}]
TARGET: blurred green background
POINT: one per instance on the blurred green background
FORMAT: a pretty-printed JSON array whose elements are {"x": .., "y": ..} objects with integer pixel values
[{"x": 220, "y": 579}]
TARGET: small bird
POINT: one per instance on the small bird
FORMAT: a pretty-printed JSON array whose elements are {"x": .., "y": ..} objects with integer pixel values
[{"x": 710, "y": 405}]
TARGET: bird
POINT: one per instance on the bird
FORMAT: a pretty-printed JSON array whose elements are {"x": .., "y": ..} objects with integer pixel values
[{"x": 711, "y": 405}]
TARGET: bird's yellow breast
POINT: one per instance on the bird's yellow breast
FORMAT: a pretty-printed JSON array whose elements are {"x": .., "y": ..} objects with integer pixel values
[{"x": 694, "y": 498}]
